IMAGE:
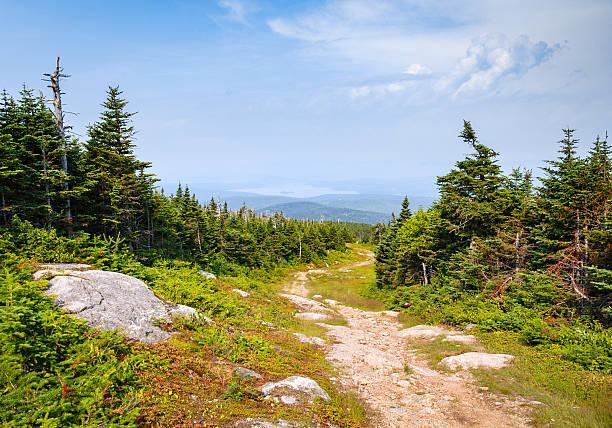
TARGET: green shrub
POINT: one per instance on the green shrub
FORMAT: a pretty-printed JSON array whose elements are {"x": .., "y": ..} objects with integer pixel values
[{"x": 54, "y": 370}]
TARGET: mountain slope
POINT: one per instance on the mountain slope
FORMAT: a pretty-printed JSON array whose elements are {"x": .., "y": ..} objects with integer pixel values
[{"x": 310, "y": 210}]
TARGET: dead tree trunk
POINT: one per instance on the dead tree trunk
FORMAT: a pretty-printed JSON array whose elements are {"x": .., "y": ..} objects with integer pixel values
[{"x": 58, "y": 115}]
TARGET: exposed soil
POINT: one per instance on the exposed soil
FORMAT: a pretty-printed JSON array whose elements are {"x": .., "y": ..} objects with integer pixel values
[{"x": 372, "y": 353}]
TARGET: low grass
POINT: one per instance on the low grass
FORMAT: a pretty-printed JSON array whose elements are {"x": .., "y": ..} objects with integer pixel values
[
  {"x": 189, "y": 380},
  {"x": 569, "y": 395},
  {"x": 437, "y": 349},
  {"x": 346, "y": 284}
]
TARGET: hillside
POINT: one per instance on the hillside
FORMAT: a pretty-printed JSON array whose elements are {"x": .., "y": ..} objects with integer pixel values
[
  {"x": 386, "y": 204},
  {"x": 309, "y": 210}
]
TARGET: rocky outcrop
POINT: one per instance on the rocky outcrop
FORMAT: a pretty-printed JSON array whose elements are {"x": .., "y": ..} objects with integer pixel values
[
  {"x": 111, "y": 300},
  {"x": 294, "y": 390},
  {"x": 475, "y": 360}
]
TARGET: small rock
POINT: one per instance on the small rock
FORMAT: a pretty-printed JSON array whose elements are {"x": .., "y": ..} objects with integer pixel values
[
  {"x": 302, "y": 388},
  {"x": 473, "y": 360},
  {"x": 266, "y": 323},
  {"x": 309, "y": 339},
  {"x": 311, "y": 316},
  {"x": 469, "y": 327},
  {"x": 317, "y": 296},
  {"x": 390, "y": 313},
  {"x": 241, "y": 292},
  {"x": 207, "y": 274},
  {"x": 484, "y": 388},
  {"x": 244, "y": 373},
  {"x": 331, "y": 301},
  {"x": 537, "y": 403}
]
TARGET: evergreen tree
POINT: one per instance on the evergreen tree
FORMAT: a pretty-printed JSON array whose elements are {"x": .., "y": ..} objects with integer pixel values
[
  {"x": 116, "y": 197},
  {"x": 473, "y": 200}
]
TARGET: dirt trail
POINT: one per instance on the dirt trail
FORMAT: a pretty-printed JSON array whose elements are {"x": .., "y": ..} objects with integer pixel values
[{"x": 371, "y": 354}]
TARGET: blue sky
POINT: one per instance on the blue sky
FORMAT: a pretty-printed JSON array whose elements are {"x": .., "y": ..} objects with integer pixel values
[{"x": 333, "y": 93}]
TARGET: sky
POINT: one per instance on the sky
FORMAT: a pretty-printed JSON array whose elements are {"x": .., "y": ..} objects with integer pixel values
[{"x": 340, "y": 95}]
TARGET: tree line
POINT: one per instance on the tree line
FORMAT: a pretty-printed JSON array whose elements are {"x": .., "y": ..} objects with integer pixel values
[
  {"x": 112, "y": 194},
  {"x": 488, "y": 230}
]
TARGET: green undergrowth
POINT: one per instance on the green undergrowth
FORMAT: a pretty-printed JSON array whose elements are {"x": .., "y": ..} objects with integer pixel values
[
  {"x": 531, "y": 307},
  {"x": 54, "y": 371},
  {"x": 570, "y": 396},
  {"x": 559, "y": 393}
]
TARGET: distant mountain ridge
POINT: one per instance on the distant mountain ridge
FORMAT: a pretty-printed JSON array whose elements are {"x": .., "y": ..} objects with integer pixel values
[
  {"x": 359, "y": 207},
  {"x": 303, "y": 210}
]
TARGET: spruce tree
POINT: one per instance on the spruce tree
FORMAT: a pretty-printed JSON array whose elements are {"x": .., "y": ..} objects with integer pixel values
[
  {"x": 116, "y": 198},
  {"x": 473, "y": 200}
]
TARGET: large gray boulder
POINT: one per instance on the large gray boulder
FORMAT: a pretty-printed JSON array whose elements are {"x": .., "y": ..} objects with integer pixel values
[{"x": 111, "y": 300}]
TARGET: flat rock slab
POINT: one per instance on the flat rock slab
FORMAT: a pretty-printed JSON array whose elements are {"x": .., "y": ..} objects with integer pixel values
[
  {"x": 303, "y": 389},
  {"x": 422, "y": 332},
  {"x": 475, "y": 360},
  {"x": 111, "y": 300},
  {"x": 305, "y": 303}
]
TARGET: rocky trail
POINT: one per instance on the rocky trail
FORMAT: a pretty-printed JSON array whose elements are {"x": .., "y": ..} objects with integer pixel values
[{"x": 376, "y": 360}]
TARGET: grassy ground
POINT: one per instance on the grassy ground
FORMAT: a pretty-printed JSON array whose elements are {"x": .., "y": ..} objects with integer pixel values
[
  {"x": 569, "y": 395},
  {"x": 345, "y": 283},
  {"x": 564, "y": 394},
  {"x": 190, "y": 380}
]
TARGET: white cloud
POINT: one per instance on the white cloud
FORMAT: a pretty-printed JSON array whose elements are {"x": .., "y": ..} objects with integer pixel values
[
  {"x": 395, "y": 87},
  {"x": 454, "y": 47},
  {"x": 491, "y": 58},
  {"x": 417, "y": 70},
  {"x": 237, "y": 10}
]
